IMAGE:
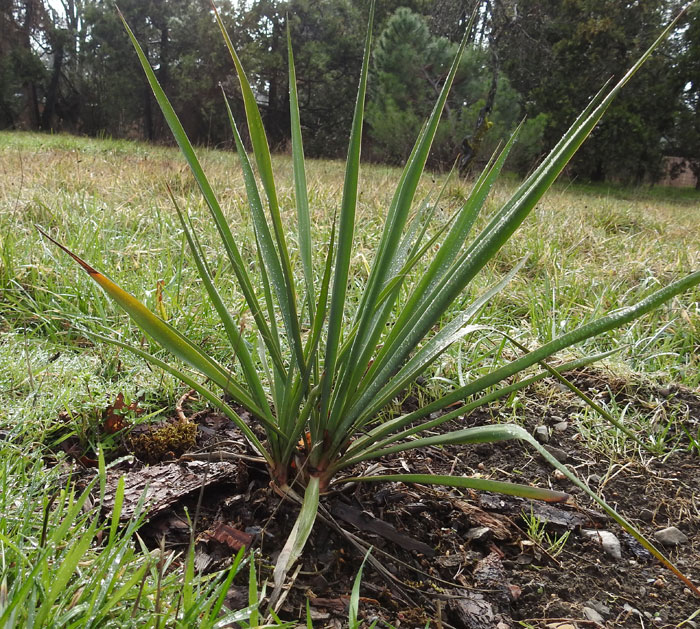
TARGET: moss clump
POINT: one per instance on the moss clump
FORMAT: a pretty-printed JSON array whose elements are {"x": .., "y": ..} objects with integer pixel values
[{"x": 168, "y": 440}]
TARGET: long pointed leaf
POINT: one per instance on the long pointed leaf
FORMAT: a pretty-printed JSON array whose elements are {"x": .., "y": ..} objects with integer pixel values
[
  {"x": 346, "y": 229},
  {"x": 369, "y": 444},
  {"x": 302, "y": 196},
  {"x": 300, "y": 533},
  {"x": 237, "y": 341},
  {"x": 261, "y": 150},
  {"x": 165, "y": 335},
  {"x": 270, "y": 263},
  {"x": 391, "y": 237},
  {"x": 508, "y": 220},
  {"x": 453, "y": 331},
  {"x": 503, "y": 432},
  {"x": 468, "y": 482},
  {"x": 449, "y": 250},
  {"x": 206, "y": 393},
  {"x": 188, "y": 152},
  {"x": 589, "y": 330}
]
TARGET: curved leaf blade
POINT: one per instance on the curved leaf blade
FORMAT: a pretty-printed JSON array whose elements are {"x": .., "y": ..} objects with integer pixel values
[
  {"x": 263, "y": 159},
  {"x": 300, "y": 533},
  {"x": 190, "y": 156},
  {"x": 468, "y": 482},
  {"x": 164, "y": 334}
]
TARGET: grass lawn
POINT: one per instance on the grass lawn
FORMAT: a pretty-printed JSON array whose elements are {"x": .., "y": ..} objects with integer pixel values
[{"x": 590, "y": 250}]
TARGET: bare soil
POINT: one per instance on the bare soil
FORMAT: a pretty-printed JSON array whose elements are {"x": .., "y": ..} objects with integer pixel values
[{"x": 450, "y": 558}]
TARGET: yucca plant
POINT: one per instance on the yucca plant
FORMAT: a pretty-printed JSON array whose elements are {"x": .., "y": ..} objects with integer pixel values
[{"x": 316, "y": 376}]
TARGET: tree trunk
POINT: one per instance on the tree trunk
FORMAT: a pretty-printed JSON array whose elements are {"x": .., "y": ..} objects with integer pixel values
[
  {"x": 52, "y": 92},
  {"x": 29, "y": 87}
]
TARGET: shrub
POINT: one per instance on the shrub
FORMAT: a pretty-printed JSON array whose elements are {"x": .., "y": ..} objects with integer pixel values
[{"x": 325, "y": 384}]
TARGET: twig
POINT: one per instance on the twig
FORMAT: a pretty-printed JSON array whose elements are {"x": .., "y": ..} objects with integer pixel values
[
  {"x": 220, "y": 455},
  {"x": 179, "y": 406}
]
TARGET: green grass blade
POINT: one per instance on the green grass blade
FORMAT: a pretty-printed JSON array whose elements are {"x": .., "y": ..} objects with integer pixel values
[
  {"x": 302, "y": 196},
  {"x": 232, "y": 572},
  {"x": 253, "y": 601},
  {"x": 188, "y": 152},
  {"x": 116, "y": 510},
  {"x": 62, "y": 576},
  {"x": 188, "y": 578},
  {"x": 355, "y": 595},
  {"x": 126, "y": 588},
  {"x": 309, "y": 620}
]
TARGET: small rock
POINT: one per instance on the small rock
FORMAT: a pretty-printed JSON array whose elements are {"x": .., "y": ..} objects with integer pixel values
[
  {"x": 665, "y": 392},
  {"x": 479, "y": 533},
  {"x": 559, "y": 475},
  {"x": 561, "y": 426},
  {"x": 561, "y": 625},
  {"x": 607, "y": 540},
  {"x": 671, "y": 536},
  {"x": 631, "y": 610},
  {"x": 601, "y": 608},
  {"x": 541, "y": 433},
  {"x": 646, "y": 515},
  {"x": 560, "y": 455},
  {"x": 594, "y": 479},
  {"x": 592, "y": 615}
]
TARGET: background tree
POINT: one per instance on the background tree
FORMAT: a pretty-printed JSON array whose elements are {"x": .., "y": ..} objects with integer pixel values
[
  {"x": 327, "y": 36},
  {"x": 22, "y": 72},
  {"x": 176, "y": 36},
  {"x": 409, "y": 65},
  {"x": 66, "y": 65},
  {"x": 558, "y": 54},
  {"x": 684, "y": 140}
]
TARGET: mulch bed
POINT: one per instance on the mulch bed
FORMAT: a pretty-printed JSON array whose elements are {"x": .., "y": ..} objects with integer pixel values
[{"x": 445, "y": 557}]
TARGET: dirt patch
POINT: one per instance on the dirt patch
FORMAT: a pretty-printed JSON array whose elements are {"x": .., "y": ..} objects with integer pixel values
[{"x": 452, "y": 558}]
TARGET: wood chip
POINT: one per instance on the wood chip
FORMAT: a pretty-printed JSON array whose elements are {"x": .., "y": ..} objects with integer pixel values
[{"x": 163, "y": 485}]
